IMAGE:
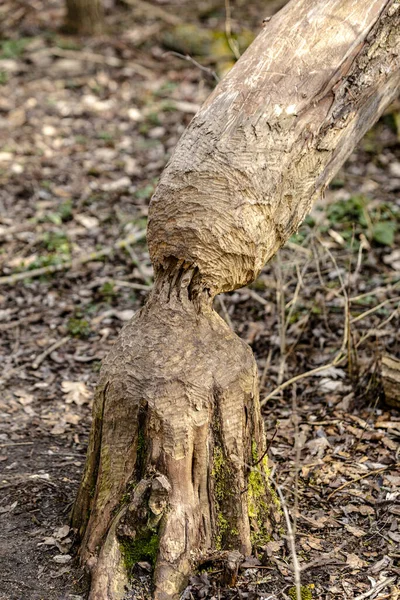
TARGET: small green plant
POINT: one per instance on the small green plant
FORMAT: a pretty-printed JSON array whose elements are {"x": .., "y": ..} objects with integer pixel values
[
  {"x": 107, "y": 290},
  {"x": 145, "y": 192},
  {"x": 78, "y": 327},
  {"x": 3, "y": 77},
  {"x": 61, "y": 214},
  {"x": 166, "y": 89},
  {"x": 13, "y": 48},
  {"x": 45, "y": 260},
  {"x": 153, "y": 118},
  {"x": 300, "y": 236},
  {"x": 306, "y": 592},
  {"x": 56, "y": 242},
  {"x": 384, "y": 232},
  {"x": 81, "y": 139},
  {"x": 355, "y": 216},
  {"x": 65, "y": 210},
  {"x": 105, "y": 135}
]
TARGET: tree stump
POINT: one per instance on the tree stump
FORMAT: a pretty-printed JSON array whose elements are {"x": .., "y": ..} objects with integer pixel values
[{"x": 177, "y": 431}]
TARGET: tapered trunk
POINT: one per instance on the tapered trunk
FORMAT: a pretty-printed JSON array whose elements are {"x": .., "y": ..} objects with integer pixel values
[
  {"x": 84, "y": 17},
  {"x": 177, "y": 427},
  {"x": 175, "y": 466}
]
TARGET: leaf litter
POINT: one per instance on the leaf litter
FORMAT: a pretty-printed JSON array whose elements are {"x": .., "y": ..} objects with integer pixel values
[{"x": 88, "y": 134}]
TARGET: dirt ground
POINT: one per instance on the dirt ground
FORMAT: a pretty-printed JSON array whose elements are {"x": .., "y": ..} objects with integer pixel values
[{"x": 86, "y": 127}]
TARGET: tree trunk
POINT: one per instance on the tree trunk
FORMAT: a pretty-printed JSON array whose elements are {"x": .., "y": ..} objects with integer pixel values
[
  {"x": 84, "y": 17},
  {"x": 175, "y": 465}
]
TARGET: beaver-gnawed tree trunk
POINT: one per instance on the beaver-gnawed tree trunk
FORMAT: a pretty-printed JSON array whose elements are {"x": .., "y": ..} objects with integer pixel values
[
  {"x": 84, "y": 17},
  {"x": 177, "y": 424}
]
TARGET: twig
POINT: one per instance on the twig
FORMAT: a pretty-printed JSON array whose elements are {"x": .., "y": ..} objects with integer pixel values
[
  {"x": 73, "y": 263},
  {"x": 374, "y": 309},
  {"x": 267, "y": 448},
  {"x": 280, "y": 300},
  {"x": 339, "y": 358},
  {"x": 39, "y": 359},
  {"x": 379, "y": 586},
  {"x": 265, "y": 370},
  {"x": 131, "y": 284},
  {"x": 298, "y": 248},
  {"x": 16, "y": 444},
  {"x": 388, "y": 288},
  {"x": 33, "y": 318},
  {"x": 194, "y": 62},
  {"x": 325, "y": 558},
  {"x": 25, "y": 478},
  {"x": 348, "y": 321},
  {"x": 149, "y": 9},
  {"x": 8, "y": 230},
  {"x": 253, "y": 295},
  {"x": 120, "y": 283},
  {"x": 297, "y": 448},
  {"x": 100, "y": 59},
  {"x": 292, "y": 540},
  {"x": 319, "y": 274},
  {"x": 259, "y": 567},
  {"x": 375, "y": 472},
  {"x": 136, "y": 261},
  {"x": 380, "y": 326},
  {"x": 233, "y": 45}
]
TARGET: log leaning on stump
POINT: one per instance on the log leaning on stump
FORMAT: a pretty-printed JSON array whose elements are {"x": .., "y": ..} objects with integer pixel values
[{"x": 173, "y": 470}]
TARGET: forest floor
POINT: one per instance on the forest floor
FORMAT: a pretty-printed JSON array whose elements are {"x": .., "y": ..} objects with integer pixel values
[{"x": 86, "y": 129}]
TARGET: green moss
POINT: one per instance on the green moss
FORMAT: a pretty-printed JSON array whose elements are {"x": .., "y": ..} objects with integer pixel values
[
  {"x": 143, "y": 548},
  {"x": 259, "y": 496},
  {"x": 223, "y": 479},
  {"x": 218, "y": 472},
  {"x": 125, "y": 498},
  {"x": 306, "y": 592},
  {"x": 105, "y": 460}
]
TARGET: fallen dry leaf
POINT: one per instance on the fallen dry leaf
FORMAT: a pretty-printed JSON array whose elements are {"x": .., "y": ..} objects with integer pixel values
[
  {"x": 76, "y": 391},
  {"x": 356, "y": 531},
  {"x": 62, "y": 559},
  {"x": 355, "y": 562}
]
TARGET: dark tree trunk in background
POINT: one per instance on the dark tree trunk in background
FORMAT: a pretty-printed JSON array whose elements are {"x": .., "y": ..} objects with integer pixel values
[
  {"x": 174, "y": 467},
  {"x": 84, "y": 17}
]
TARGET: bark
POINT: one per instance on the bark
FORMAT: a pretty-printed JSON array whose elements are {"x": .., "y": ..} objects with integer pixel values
[
  {"x": 391, "y": 379},
  {"x": 273, "y": 133},
  {"x": 84, "y": 17},
  {"x": 175, "y": 466}
]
